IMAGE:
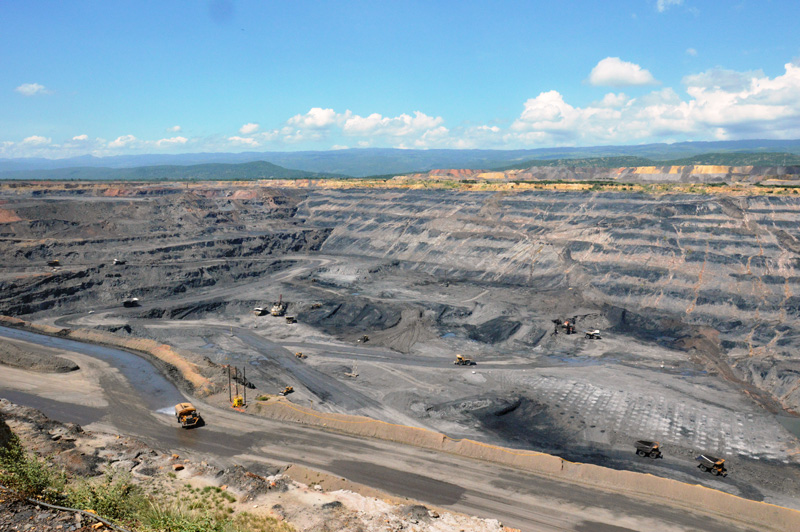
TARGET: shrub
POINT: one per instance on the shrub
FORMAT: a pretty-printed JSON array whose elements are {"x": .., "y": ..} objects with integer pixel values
[
  {"x": 113, "y": 496},
  {"x": 28, "y": 475}
]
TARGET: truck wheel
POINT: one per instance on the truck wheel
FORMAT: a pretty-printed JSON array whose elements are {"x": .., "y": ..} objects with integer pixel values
[
  {"x": 703, "y": 468},
  {"x": 640, "y": 453},
  {"x": 654, "y": 454}
]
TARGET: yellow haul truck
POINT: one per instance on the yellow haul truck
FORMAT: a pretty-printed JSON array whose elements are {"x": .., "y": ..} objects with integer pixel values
[{"x": 187, "y": 415}]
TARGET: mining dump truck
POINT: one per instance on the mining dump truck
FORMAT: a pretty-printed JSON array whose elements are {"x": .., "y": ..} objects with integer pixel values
[
  {"x": 291, "y": 319},
  {"x": 593, "y": 335},
  {"x": 648, "y": 448},
  {"x": 259, "y": 311},
  {"x": 461, "y": 361},
  {"x": 120, "y": 262},
  {"x": 711, "y": 464},
  {"x": 187, "y": 415},
  {"x": 132, "y": 302},
  {"x": 364, "y": 339},
  {"x": 278, "y": 308},
  {"x": 54, "y": 263},
  {"x": 300, "y": 355},
  {"x": 286, "y": 391}
]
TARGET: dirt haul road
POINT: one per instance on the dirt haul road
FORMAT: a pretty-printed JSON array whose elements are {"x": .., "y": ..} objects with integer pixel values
[{"x": 128, "y": 400}]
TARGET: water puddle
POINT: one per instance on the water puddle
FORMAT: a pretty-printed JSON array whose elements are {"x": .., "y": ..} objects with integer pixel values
[{"x": 154, "y": 389}]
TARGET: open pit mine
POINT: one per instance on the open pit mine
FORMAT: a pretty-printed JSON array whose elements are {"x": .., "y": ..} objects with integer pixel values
[{"x": 567, "y": 321}]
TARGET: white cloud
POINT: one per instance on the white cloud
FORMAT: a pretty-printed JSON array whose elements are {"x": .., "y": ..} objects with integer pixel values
[
  {"x": 613, "y": 100},
  {"x": 316, "y": 118},
  {"x": 663, "y": 5},
  {"x": 400, "y": 126},
  {"x": 614, "y": 72},
  {"x": 35, "y": 140},
  {"x": 174, "y": 129},
  {"x": 243, "y": 141},
  {"x": 691, "y": 51},
  {"x": 340, "y": 147},
  {"x": 714, "y": 104},
  {"x": 122, "y": 142},
  {"x": 247, "y": 129},
  {"x": 174, "y": 141},
  {"x": 721, "y": 104},
  {"x": 31, "y": 89}
]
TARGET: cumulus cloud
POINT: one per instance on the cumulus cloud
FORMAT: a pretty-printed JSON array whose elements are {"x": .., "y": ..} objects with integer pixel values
[
  {"x": 663, "y": 5},
  {"x": 721, "y": 104},
  {"x": 123, "y": 141},
  {"x": 614, "y": 72},
  {"x": 714, "y": 104},
  {"x": 691, "y": 51},
  {"x": 35, "y": 140},
  {"x": 248, "y": 129},
  {"x": 174, "y": 129},
  {"x": 399, "y": 126},
  {"x": 614, "y": 100},
  {"x": 316, "y": 118},
  {"x": 243, "y": 141},
  {"x": 31, "y": 89},
  {"x": 174, "y": 141}
]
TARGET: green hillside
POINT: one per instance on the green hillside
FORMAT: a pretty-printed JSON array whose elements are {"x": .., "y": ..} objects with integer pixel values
[{"x": 199, "y": 172}]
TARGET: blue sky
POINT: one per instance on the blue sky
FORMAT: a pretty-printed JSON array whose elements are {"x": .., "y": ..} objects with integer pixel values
[{"x": 119, "y": 77}]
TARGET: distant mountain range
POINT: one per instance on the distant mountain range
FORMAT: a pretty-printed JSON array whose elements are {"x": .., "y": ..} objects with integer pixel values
[
  {"x": 196, "y": 172},
  {"x": 384, "y": 161}
]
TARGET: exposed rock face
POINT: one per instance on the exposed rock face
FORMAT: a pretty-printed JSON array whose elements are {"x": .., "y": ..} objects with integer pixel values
[
  {"x": 635, "y": 174},
  {"x": 718, "y": 268},
  {"x": 715, "y": 276},
  {"x": 170, "y": 225}
]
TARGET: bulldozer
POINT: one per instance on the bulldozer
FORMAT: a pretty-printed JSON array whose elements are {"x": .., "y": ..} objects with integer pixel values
[
  {"x": 286, "y": 391},
  {"x": 278, "y": 308},
  {"x": 461, "y": 361},
  {"x": 300, "y": 355},
  {"x": 238, "y": 401},
  {"x": 187, "y": 415}
]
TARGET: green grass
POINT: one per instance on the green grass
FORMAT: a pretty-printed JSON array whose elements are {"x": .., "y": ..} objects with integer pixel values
[
  {"x": 30, "y": 476},
  {"x": 115, "y": 497}
]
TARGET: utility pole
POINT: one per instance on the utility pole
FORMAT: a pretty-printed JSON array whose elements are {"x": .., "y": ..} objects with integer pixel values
[
  {"x": 230, "y": 390},
  {"x": 244, "y": 386}
]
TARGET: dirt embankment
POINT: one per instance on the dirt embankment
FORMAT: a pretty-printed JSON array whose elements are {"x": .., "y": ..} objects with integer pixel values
[
  {"x": 630, "y": 483},
  {"x": 17, "y": 357}
]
